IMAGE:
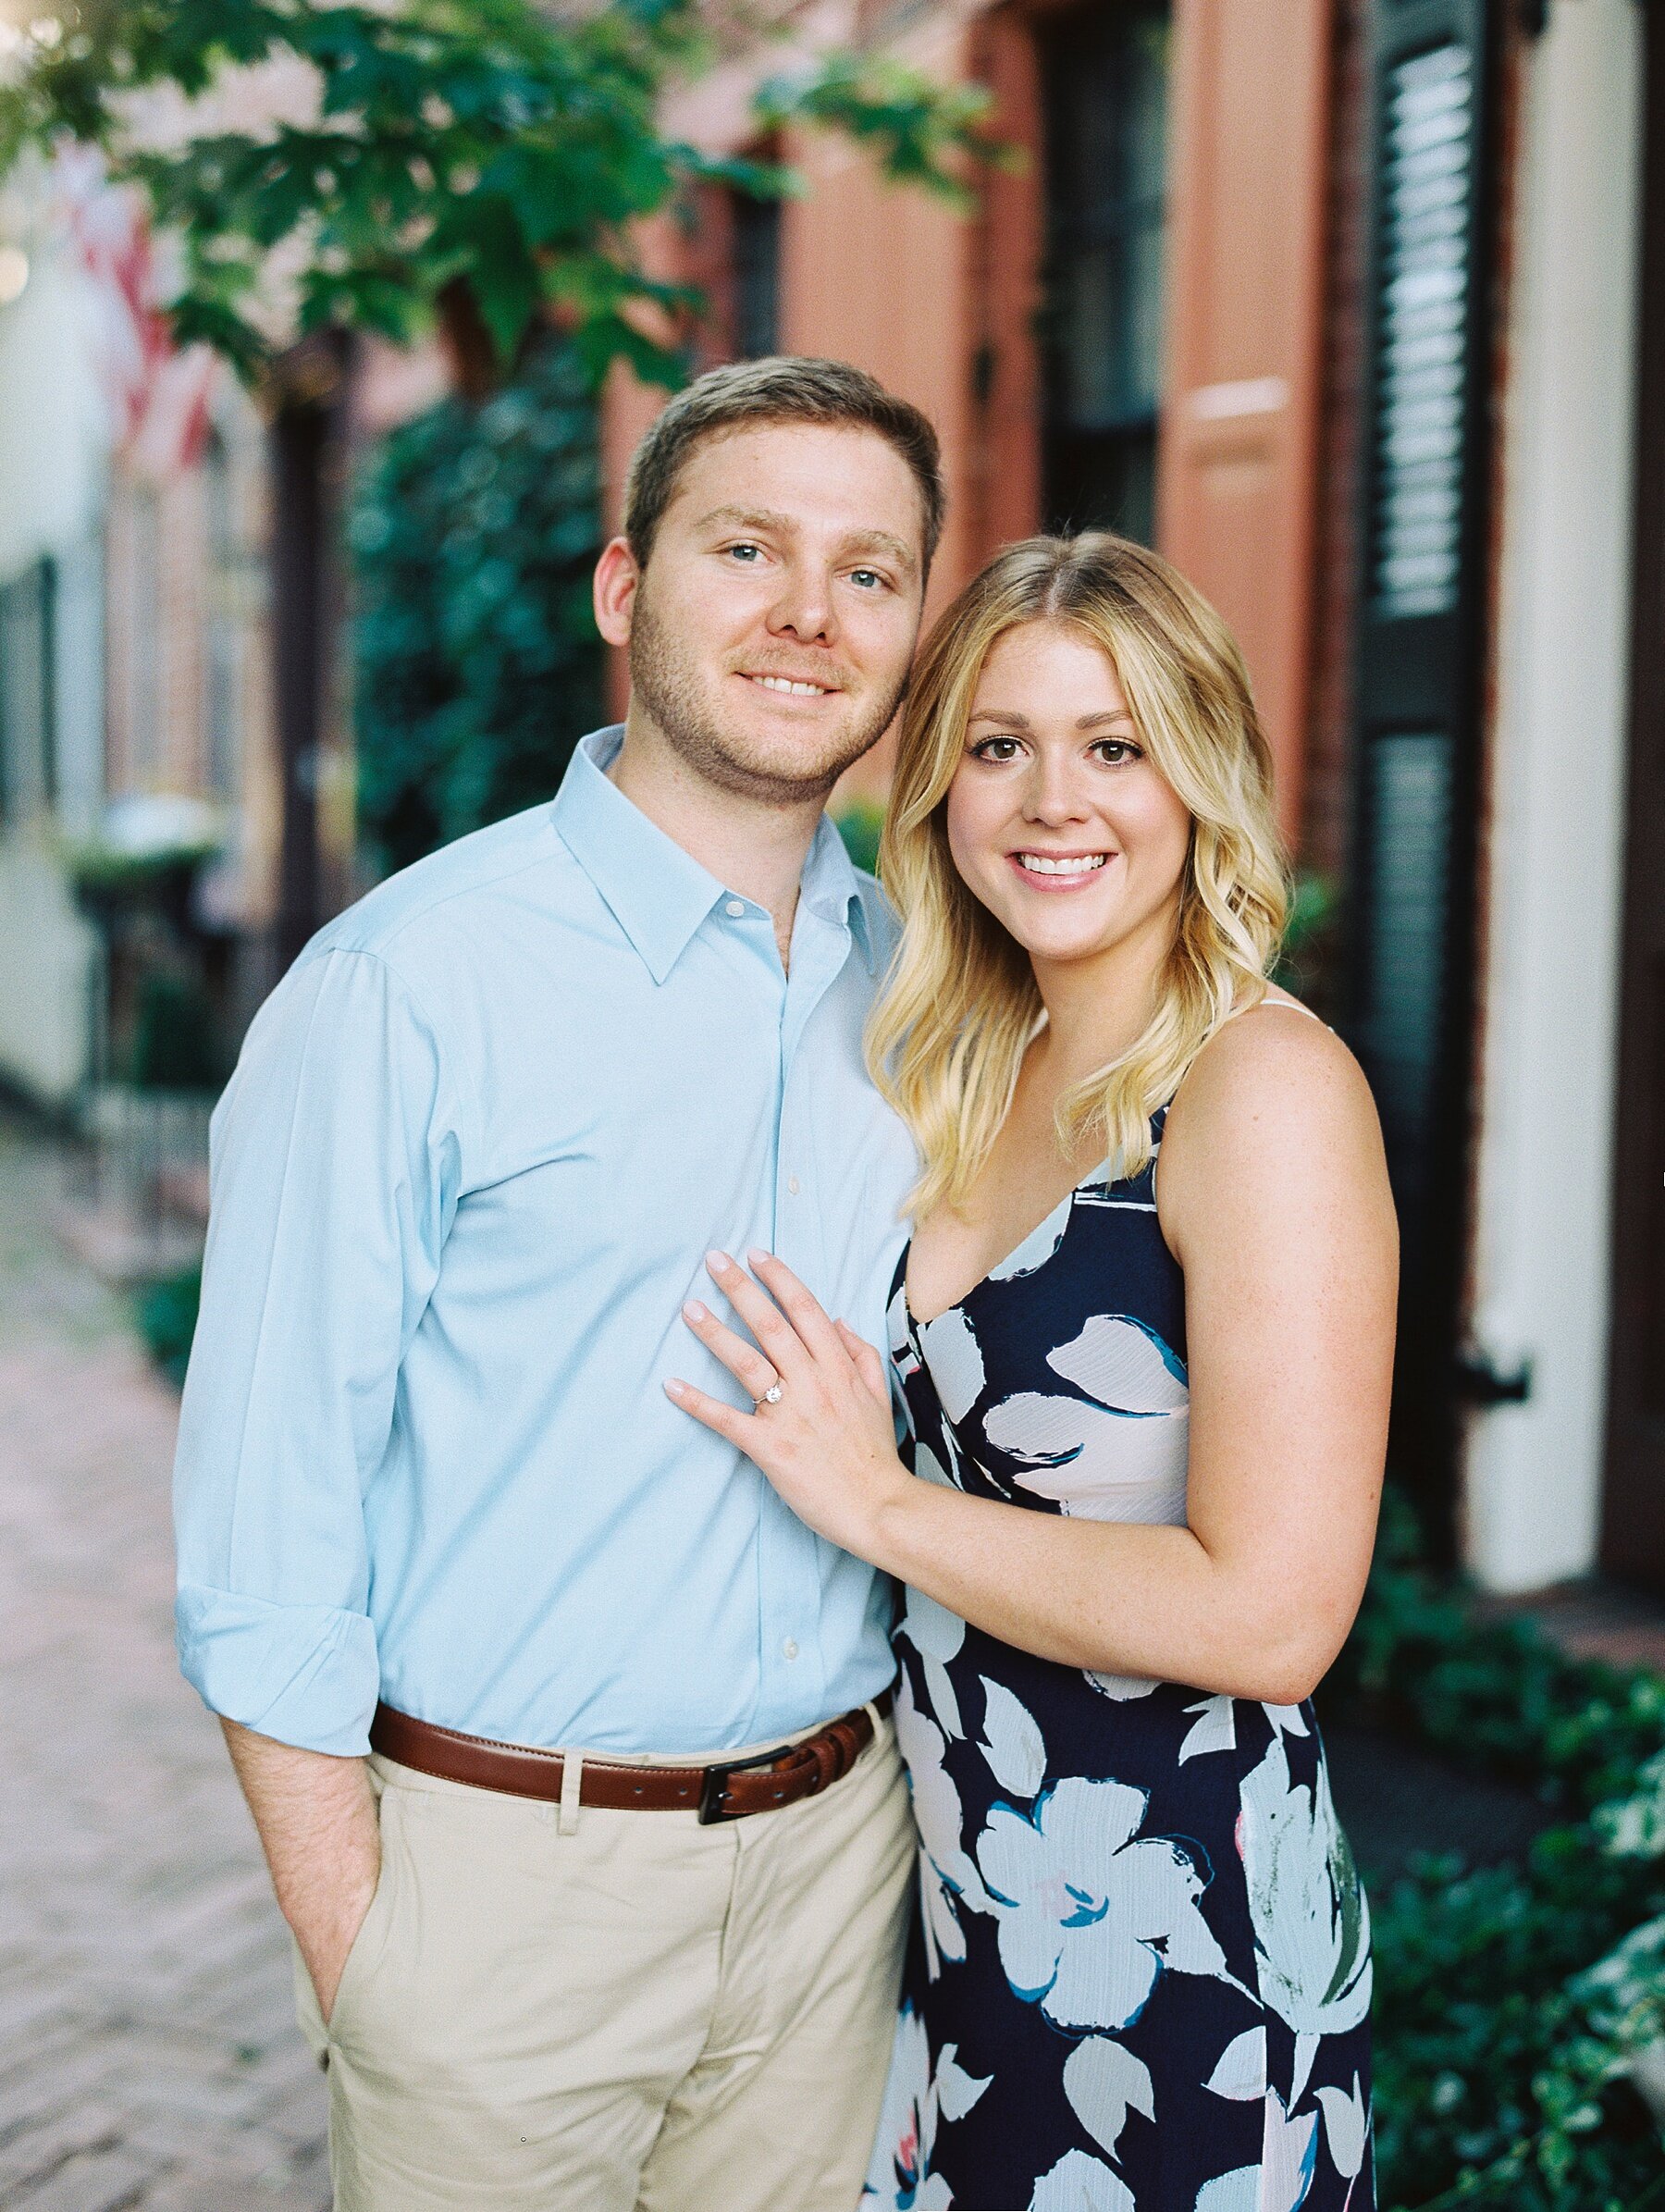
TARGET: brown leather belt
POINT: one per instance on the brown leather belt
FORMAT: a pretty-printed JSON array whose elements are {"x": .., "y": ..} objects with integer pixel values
[{"x": 726, "y": 1790}]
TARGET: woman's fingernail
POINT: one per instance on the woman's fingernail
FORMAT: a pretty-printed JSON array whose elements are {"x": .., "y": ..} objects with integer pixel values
[
  {"x": 695, "y": 1311},
  {"x": 675, "y": 1390},
  {"x": 718, "y": 1261},
  {"x": 755, "y": 1258}
]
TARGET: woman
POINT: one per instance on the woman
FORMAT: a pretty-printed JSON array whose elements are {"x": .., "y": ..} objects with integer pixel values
[{"x": 1150, "y": 1410}]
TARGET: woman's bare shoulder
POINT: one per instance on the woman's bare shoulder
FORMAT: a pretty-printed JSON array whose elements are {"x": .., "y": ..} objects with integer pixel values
[{"x": 1274, "y": 1093}]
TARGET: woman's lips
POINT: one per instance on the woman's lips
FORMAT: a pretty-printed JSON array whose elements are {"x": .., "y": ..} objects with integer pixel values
[{"x": 1068, "y": 871}]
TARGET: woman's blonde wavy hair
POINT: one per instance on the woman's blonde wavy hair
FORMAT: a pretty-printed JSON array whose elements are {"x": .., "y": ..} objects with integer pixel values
[{"x": 960, "y": 1004}]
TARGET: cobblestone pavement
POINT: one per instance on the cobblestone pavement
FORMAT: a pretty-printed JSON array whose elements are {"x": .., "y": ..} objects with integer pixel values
[{"x": 148, "y": 2051}]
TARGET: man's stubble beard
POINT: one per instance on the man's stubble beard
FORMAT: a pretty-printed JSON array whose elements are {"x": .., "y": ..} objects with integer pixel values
[{"x": 667, "y": 683}]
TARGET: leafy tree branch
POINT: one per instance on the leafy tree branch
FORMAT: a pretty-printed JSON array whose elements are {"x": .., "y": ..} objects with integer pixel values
[{"x": 478, "y": 164}]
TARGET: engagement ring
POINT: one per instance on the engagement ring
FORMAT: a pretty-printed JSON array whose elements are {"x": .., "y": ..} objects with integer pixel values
[{"x": 770, "y": 1397}]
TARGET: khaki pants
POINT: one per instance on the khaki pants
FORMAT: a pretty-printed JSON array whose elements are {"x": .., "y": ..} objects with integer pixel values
[{"x": 641, "y": 2015}]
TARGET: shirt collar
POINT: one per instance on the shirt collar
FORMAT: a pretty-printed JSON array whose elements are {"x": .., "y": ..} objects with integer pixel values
[
  {"x": 658, "y": 893},
  {"x": 831, "y": 887}
]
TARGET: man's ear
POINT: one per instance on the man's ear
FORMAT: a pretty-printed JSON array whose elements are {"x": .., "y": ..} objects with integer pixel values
[{"x": 617, "y": 581}]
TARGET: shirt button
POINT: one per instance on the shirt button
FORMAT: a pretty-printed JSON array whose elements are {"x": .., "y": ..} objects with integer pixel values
[
  {"x": 734, "y": 909},
  {"x": 790, "y": 1647},
  {"x": 792, "y": 1184}
]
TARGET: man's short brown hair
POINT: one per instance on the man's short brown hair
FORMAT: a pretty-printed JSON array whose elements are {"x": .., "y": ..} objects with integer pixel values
[{"x": 784, "y": 387}]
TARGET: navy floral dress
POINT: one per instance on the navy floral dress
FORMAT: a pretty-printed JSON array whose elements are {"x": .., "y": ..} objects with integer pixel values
[{"x": 1140, "y": 1980}]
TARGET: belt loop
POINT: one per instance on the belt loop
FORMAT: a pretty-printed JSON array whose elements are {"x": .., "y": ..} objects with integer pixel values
[
  {"x": 871, "y": 1711},
  {"x": 572, "y": 1782}
]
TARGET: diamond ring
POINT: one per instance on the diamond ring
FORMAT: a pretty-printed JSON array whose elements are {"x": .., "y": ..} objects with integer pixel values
[{"x": 770, "y": 1397}]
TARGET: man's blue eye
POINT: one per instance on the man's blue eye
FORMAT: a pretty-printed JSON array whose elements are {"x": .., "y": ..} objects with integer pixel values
[
  {"x": 866, "y": 575},
  {"x": 744, "y": 550}
]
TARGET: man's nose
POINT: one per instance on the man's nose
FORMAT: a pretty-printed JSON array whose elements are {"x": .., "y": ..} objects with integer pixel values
[{"x": 804, "y": 607}]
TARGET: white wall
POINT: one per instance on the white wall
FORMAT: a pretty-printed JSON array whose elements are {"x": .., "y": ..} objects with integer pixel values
[
  {"x": 1532, "y": 1492},
  {"x": 51, "y": 955},
  {"x": 55, "y": 427}
]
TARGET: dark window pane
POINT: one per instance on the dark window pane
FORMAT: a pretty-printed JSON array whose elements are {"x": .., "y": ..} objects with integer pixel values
[
  {"x": 757, "y": 278},
  {"x": 1106, "y": 88}
]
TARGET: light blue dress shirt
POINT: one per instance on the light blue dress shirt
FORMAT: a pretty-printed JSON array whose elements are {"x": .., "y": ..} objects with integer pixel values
[{"x": 476, "y": 1145}]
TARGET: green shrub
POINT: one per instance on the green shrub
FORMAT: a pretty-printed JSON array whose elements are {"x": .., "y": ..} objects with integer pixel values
[
  {"x": 859, "y": 825},
  {"x": 475, "y": 531},
  {"x": 177, "y": 1043},
  {"x": 1508, "y": 1998},
  {"x": 166, "y": 1314}
]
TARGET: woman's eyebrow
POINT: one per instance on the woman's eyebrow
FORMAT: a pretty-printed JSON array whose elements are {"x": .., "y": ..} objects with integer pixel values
[{"x": 1084, "y": 721}]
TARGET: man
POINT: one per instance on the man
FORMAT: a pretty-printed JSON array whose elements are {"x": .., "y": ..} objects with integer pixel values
[{"x": 488, "y": 1620}]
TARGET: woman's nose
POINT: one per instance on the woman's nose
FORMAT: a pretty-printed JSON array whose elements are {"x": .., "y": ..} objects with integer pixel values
[{"x": 1053, "y": 795}]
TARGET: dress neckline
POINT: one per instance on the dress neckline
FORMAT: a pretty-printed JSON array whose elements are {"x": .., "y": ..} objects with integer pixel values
[
  {"x": 1093, "y": 1175},
  {"x": 1292, "y": 1005}
]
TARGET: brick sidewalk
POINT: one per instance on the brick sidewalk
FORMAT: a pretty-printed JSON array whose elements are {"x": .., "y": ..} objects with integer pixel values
[{"x": 148, "y": 2051}]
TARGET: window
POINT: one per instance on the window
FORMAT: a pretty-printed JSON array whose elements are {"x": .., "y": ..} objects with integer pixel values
[
  {"x": 1106, "y": 85},
  {"x": 757, "y": 278},
  {"x": 27, "y": 737},
  {"x": 145, "y": 757},
  {"x": 222, "y": 658}
]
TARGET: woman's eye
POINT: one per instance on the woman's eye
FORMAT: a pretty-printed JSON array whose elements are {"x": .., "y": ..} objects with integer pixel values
[
  {"x": 1112, "y": 751},
  {"x": 996, "y": 749}
]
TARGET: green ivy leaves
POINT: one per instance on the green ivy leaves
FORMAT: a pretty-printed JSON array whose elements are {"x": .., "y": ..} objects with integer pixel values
[{"x": 474, "y": 532}]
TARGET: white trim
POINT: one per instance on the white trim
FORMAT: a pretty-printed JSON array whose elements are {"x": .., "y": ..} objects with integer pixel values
[{"x": 1557, "y": 804}]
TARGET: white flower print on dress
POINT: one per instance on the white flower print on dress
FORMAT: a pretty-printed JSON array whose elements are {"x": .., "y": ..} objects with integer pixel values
[
  {"x": 1214, "y": 1730},
  {"x": 1312, "y": 1925},
  {"x": 1078, "y": 2183},
  {"x": 1280, "y": 2181},
  {"x": 936, "y": 1635},
  {"x": 1240, "y": 2070},
  {"x": 1105, "y": 2082},
  {"x": 947, "y": 1877},
  {"x": 901, "y": 1350},
  {"x": 1011, "y": 1742},
  {"x": 1090, "y": 1913},
  {"x": 929, "y": 1468},
  {"x": 1122, "y": 1688},
  {"x": 1346, "y": 2127},
  {"x": 899, "y": 2177},
  {"x": 1118, "y": 1453},
  {"x": 955, "y": 1358}
]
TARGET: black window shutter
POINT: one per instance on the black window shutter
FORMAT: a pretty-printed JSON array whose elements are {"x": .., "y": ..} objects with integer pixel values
[{"x": 1418, "y": 673}]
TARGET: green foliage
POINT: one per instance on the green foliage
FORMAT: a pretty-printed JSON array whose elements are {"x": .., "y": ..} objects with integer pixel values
[
  {"x": 860, "y": 825},
  {"x": 1308, "y": 947},
  {"x": 1509, "y": 1998},
  {"x": 475, "y": 532},
  {"x": 176, "y": 1042},
  {"x": 166, "y": 1314},
  {"x": 877, "y": 100},
  {"x": 482, "y": 158}
]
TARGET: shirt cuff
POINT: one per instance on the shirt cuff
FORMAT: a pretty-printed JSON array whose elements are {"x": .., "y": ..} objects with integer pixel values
[{"x": 304, "y": 1675}]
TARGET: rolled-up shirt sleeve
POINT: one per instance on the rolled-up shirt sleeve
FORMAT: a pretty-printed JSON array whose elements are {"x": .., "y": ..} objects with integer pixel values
[{"x": 336, "y": 1159}]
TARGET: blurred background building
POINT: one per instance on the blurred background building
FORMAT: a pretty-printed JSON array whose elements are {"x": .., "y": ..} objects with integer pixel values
[{"x": 1356, "y": 308}]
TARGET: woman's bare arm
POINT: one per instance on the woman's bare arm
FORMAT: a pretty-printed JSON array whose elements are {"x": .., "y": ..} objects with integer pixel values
[{"x": 1274, "y": 1197}]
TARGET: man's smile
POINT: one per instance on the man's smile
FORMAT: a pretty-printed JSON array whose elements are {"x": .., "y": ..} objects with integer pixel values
[{"x": 789, "y": 687}]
